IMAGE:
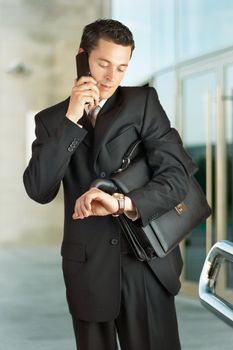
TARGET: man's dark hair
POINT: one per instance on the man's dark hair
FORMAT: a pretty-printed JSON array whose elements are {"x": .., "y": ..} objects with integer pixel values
[{"x": 107, "y": 29}]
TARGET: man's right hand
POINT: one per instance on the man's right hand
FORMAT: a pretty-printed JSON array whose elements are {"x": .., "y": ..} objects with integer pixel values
[{"x": 85, "y": 90}]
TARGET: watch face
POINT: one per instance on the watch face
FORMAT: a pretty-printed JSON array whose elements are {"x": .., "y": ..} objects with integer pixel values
[{"x": 118, "y": 195}]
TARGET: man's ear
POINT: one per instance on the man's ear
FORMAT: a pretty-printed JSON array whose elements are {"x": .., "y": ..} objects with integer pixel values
[{"x": 80, "y": 50}]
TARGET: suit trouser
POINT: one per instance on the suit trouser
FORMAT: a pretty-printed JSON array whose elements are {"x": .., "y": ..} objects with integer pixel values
[{"x": 147, "y": 318}]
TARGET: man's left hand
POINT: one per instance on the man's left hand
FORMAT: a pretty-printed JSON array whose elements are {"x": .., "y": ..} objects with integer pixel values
[{"x": 94, "y": 202}]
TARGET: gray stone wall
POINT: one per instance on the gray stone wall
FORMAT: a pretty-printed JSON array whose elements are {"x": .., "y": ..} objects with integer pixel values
[{"x": 38, "y": 43}]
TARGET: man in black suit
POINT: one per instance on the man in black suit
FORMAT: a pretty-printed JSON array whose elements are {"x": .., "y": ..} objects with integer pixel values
[{"x": 108, "y": 289}]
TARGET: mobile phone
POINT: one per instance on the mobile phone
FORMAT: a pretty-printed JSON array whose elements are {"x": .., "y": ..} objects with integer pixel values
[{"x": 82, "y": 65}]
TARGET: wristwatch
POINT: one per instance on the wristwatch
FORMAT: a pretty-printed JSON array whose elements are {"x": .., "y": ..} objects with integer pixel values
[{"x": 121, "y": 203}]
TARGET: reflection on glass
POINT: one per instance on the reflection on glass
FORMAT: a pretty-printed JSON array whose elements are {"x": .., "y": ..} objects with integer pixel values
[{"x": 226, "y": 269}]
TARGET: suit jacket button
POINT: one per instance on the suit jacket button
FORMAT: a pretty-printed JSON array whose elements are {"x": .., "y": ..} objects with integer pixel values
[
  {"x": 102, "y": 174},
  {"x": 114, "y": 241}
]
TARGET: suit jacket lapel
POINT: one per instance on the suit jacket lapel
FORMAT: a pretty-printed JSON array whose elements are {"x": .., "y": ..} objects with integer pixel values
[{"x": 105, "y": 119}]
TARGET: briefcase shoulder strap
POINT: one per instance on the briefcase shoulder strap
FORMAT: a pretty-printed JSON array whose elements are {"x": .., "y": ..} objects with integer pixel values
[{"x": 129, "y": 155}]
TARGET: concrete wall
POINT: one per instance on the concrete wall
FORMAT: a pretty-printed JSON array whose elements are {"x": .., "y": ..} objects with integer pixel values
[{"x": 38, "y": 42}]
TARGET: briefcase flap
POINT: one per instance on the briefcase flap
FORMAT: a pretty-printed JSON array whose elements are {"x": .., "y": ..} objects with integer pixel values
[
  {"x": 133, "y": 177},
  {"x": 174, "y": 225}
]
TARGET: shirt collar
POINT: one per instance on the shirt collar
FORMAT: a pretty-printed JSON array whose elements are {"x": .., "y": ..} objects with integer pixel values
[{"x": 101, "y": 104}]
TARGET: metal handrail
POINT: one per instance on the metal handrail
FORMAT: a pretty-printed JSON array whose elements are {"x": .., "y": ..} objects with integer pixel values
[{"x": 220, "y": 252}]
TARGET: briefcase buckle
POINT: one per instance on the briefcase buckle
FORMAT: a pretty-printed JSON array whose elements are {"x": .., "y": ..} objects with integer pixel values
[{"x": 180, "y": 208}]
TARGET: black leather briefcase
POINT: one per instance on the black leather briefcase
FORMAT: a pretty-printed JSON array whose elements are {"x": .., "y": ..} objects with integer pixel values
[{"x": 162, "y": 234}]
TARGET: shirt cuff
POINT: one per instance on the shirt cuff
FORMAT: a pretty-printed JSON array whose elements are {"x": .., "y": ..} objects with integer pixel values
[{"x": 133, "y": 215}]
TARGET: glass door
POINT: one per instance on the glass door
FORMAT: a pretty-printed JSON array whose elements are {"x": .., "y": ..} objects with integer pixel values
[
  {"x": 228, "y": 114},
  {"x": 224, "y": 285},
  {"x": 227, "y": 289},
  {"x": 207, "y": 130},
  {"x": 199, "y": 137}
]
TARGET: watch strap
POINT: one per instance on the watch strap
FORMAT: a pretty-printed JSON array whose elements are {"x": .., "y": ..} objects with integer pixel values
[{"x": 121, "y": 203}]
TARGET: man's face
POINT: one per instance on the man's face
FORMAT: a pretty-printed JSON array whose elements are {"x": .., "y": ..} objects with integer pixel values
[{"x": 108, "y": 63}]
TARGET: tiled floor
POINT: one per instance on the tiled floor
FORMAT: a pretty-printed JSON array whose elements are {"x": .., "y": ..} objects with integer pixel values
[{"x": 34, "y": 314}]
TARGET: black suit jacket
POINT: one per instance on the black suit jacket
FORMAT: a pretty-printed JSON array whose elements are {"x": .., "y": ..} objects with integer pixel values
[{"x": 64, "y": 152}]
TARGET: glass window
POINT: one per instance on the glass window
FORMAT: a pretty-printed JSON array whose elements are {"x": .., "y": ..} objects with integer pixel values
[
  {"x": 204, "y": 26},
  {"x": 138, "y": 19},
  {"x": 165, "y": 85},
  {"x": 163, "y": 35}
]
